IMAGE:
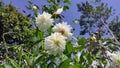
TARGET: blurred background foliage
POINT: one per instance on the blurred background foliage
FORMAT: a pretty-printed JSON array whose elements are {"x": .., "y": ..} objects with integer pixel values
[
  {"x": 15, "y": 29},
  {"x": 96, "y": 18}
]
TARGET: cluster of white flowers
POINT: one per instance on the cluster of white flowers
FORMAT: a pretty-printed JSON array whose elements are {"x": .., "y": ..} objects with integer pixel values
[{"x": 55, "y": 43}]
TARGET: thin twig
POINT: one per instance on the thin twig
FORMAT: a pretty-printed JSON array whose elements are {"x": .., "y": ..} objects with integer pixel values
[
  {"x": 4, "y": 42},
  {"x": 110, "y": 31}
]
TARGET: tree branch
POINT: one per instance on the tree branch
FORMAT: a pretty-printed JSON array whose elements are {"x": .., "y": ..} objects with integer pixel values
[
  {"x": 4, "y": 42},
  {"x": 109, "y": 31}
]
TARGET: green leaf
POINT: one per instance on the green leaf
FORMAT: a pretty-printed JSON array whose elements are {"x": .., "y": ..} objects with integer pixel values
[
  {"x": 29, "y": 60},
  {"x": 39, "y": 34},
  {"x": 35, "y": 12},
  {"x": 63, "y": 57},
  {"x": 51, "y": 65},
  {"x": 2, "y": 66},
  {"x": 89, "y": 57},
  {"x": 76, "y": 66},
  {"x": 82, "y": 59},
  {"x": 81, "y": 42},
  {"x": 35, "y": 43},
  {"x": 20, "y": 53},
  {"x": 49, "y": 1},
  {"x": 50, "y": 31},
  {"x": 14, "y": 64},
  {"x": 76, "y": 58},
  {"x": 67, "y": 1},
  {"x": 69, "y": 48},
  {"x": 65, "y": 8},
  {"x": 43, "y": 65},
  {"x": 30, "y": 2},
  {"x": 8, "y": 66},
  {"x": 39, "y": 59},
  {"x": 58, "y": 0},
  {"x": 44, "y": 8},
  {"x": 65, "y": 64}
]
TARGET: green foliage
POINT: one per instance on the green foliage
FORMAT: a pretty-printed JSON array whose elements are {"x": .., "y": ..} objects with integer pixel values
[
  {"x": 65, "y": 64},
  {"x": 92, "y": 13},
  {"x": 15, "y": 30},
  {"x": 69, "y": 48},
  {"x": 81, "y": 41},
  {"x": 18, "y": 24},
  {"x": 115, "y": 27},
  {"x": 95, "y": 14},
  {"x": 54, "y": 5},
  {"x": 77, "y": 66},
  {"x": 67, "y": 1}
]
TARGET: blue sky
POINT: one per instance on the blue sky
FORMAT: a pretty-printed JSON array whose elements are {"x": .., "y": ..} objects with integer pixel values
[{"x": 70, "y": 14}]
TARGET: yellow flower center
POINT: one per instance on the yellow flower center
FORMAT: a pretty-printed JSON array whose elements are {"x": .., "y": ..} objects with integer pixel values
[
  {"x": 57, "y": 42},
  {"x": 43, "y": 19},
  {"x": 118, "y": 60}
]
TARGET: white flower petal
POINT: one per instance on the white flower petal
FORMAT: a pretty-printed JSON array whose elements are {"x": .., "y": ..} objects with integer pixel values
[{"x": 59, "y": 11}]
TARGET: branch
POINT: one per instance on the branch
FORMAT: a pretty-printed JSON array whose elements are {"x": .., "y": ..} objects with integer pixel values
[
  {"x": 4, "y": 42},
  {"x": 110, "y": 31}
]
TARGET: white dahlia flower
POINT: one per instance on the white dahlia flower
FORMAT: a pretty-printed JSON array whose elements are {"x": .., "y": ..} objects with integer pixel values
[
  {"x": 64, "y": 29},
  {"x": 44, "y": 21},
  {"x": 55, "y": 44}
]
